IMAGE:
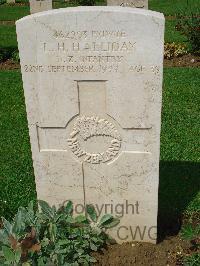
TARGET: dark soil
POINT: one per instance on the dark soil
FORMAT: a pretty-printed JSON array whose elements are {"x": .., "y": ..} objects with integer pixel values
[
  {"x": 9, "y": 65},
  {"x": 183, "y": 61},
  {"x": 169, "y": 252},
  {"x": 7, "y": 22},
  {"x": 18, "y": 4},
  {"x": 178, "y": 16}
]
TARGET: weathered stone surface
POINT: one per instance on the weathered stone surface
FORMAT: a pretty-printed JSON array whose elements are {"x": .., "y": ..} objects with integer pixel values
[
  {"x": 40, "y": 5},
  {"x": 129, "y": 3},
  {"x": 92, "y": 79}
]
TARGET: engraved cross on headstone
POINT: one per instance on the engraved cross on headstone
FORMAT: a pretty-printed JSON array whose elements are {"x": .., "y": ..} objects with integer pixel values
[
  {"x": 100, "y": 145},
  {"x": 93, "y": 136}
]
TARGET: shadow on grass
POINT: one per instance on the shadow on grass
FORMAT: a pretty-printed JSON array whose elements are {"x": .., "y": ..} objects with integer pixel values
[{"x": 179, "y": 184}]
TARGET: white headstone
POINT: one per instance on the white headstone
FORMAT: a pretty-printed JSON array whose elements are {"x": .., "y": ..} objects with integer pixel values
[
  {"x": 92, "y": 79},
  {"x": 40, "y": 5},
  {"x": 129, "y": 3}
]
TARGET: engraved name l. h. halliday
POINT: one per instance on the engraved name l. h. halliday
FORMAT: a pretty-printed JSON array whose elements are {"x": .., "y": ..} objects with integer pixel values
[{"x": 88, "y": 127}]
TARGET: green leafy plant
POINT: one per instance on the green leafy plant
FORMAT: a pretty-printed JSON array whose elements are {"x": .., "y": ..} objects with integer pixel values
[
  {"x": 190, "y": 27},
  {"x": 6, "y": 53},
  {"x": 192, "y": 233},
  {"x": 51, "y": 236},
  {"x": 15, "y": 56},
  {"x": 9, "y": 53},
  {"x": 2, "y": 2},
  {"x": 192, "y": 260},
  {"x": 86, "y": 2}
]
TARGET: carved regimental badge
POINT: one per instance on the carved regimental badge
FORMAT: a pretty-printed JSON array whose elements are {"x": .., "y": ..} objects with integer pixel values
[{"x": 94, "y": 133}]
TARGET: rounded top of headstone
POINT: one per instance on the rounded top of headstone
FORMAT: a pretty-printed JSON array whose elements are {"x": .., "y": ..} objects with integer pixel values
[{"x": 101, "y": 9}]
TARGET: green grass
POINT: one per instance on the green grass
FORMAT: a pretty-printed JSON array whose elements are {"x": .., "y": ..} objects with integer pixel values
[
  {"x": 12, "y": 12},
  {"x": 180, "y": 163},
  {"x": 171, "y": 34},
  {"x": 8, "y": 36},
  {"x": 180, "y": 138},
  {"x": 16, "y": 173},
  {"x": 179, "y": 167},
  {"x": 173, "y": 7}
]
